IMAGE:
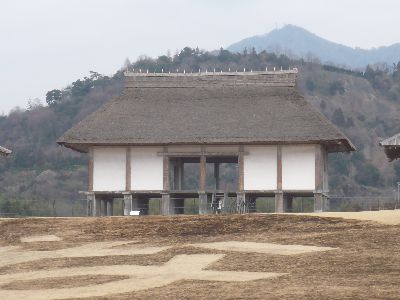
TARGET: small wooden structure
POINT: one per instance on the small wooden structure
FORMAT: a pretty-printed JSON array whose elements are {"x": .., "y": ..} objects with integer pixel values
[
  {"x": 142, "y": 143},
  {"x": 392, "y": 147},
  {"x": 4, "y": 151}
]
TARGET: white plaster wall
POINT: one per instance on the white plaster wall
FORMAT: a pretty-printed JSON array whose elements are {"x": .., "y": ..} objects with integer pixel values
[
  {"x": 298, "y": 167},
  {"x": 260, "y": 168},
  {"x": 146, "y": 168},
  {"x": 109, "y": 167}
]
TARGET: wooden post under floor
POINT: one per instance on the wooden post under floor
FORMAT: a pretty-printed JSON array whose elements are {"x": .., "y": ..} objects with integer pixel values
[
  {"x": 216, "y": 175},
  {"x": 91, "y": 202},
  {"x": 127, "y": 204},
  {"x": 203, "y": 174},
  {"x": 166, "y": 204},
  {"x": 109, "y": 207},
  {"x": 279, "y": 202},
  {"x": 103, "y": 207},
  {"x": 241, "y": 168},
  {"x": 320, "y": 202},
  {"x": 203, "y": 203}
]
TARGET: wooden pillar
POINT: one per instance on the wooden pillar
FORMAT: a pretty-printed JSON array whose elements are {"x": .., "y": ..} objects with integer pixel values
[
  {"x": 175, "y": 179},
  {"x": 319, "y": 168},
  {"x": 241, "y": 168},
  {"x": 109, "y": 204},
  {"x": 112, "y": 207},
  {"x": 127, "y": 204},
  {"x": 319, "y": 202},
  {"x": 203, "y": 203},
  {"x": 279, "y": 168},
  {"x": 320, "y": 198},
  {"x": 181, "y": 174},
  {"x": 203, "y": 173},
  {"x": 216, "y": 175},
  {"x": 128, "y": 170},
  {"x": 91, "y": 168},
  {"x": 103, "y": 207},
  {"x": 91, "y": 204},
  {"x": 166, "y": 185},
  {"x": 279, "y": 202},
  {"x": 279, "y": 199},
  {"x": 166, "y": 204}
]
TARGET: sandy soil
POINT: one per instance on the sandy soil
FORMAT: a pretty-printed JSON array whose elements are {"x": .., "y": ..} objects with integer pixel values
[
  {"x": 364, "y": 265},
  {"x": 267, "y": 248},
  {"x": 40, "y": 238},
  {"x": 16, "y": 254},
  {"x": 389, "y": 217},
  {"x": 60, "y": 282},
  {"x": 189, "y": 267}
]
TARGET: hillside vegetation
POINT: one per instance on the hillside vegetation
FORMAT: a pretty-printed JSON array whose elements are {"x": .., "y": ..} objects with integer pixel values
[{"x": 41, "y": 176}]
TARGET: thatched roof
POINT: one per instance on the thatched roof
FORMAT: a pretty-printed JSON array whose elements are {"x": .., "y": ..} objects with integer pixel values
[
  {"x": 4, "y": 151},
  {"x": 392, "y": 147},
  {"x": 207, "y": 108}
]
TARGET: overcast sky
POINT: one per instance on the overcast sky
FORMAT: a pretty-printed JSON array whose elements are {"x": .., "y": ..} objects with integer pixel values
[{"x": 47, "y": 44}]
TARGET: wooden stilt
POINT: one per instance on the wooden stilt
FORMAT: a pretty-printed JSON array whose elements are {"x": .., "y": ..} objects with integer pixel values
[
  {"x": 127, "y": 204},
  {"x": 203, "y": 204},
  {"x": 279, "y": 202},
  {"x": 216, "y": 175},
  {"x": 166, "y": 204}
]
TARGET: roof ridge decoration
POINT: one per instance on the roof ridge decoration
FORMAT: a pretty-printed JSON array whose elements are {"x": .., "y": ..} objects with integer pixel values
[
  {"x": 283, "y": 78},
  {"x": 391, "y": 141}
]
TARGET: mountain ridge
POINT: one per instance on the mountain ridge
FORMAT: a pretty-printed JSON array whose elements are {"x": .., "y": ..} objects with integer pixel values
[{"x": 298, "y": 42}]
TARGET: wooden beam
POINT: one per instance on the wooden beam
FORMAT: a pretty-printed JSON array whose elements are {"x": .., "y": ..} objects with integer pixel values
[
  {"x": 128, "y": 170},
  {"x": 91, "y": 168},
  {"x": 279, "y": 168},
  {"x": 241, "y": 168},
  {"x": 198, "y": 154},
  {"x": 318, "y": 168},
  {"x": 166, "y": 185}
]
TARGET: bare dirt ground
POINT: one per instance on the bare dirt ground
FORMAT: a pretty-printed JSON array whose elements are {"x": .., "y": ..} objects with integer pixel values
[{"x": 365, "y": 263}]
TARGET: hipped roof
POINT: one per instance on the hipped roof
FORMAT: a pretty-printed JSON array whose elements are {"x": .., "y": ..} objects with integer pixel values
[
  {"x": 4, "y": 151},
  {"x": 392, "y": 147},
  {"x": 211, "y": 108}
]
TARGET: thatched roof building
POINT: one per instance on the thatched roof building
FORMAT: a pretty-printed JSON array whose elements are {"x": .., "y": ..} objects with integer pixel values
[
  {"x": 392, "y": 147},
  {"x": 213, "y": 108},
  {"x": 4, "y": 151},
  {"x": 141, "y": 142}
]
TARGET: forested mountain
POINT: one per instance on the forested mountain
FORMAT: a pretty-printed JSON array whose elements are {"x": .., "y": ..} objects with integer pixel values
[
  {"x": 297, "y": 42},
  {"x": 365, "y": 106}
]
